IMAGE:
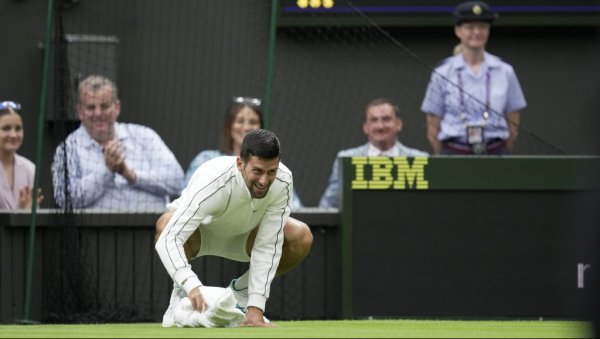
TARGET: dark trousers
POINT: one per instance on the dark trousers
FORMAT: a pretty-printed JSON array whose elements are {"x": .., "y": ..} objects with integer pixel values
[{"x": 493, "y": 147}]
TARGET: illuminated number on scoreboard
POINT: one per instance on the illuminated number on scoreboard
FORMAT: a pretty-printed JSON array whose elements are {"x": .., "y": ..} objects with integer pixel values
[{"x": 315, "y": 3}]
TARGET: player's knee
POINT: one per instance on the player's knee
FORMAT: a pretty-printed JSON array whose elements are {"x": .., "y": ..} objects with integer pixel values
[
  {"x": 307, "y": 237},
  {"x": 299, "y": 238}
]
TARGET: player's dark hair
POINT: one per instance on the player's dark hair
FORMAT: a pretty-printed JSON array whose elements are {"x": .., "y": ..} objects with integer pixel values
[{"x": 260, "y": 143}]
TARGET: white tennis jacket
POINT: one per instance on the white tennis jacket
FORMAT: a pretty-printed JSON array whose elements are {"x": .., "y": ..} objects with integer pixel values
[{"x": 218, "y": 201}]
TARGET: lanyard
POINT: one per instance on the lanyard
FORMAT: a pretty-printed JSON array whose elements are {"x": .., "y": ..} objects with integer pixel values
[{"x": 463, "y": 114}]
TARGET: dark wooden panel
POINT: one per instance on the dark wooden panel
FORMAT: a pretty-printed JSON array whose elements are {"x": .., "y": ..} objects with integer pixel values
[
  {"x": 37, "y": 276},
  {"x": 17, "y": 258},
  {"x": 125, "y": 278},
  {"x": 105, "y": 268},
  {"x": 142, "y": 274},
  {"x": 320, "y": 276},
  {"x": 5, "y": 273}
]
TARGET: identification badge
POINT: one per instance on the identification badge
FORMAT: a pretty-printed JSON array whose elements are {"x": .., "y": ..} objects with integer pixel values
[
  {"x": 475, "y": 138},
  {"x": 475, "y": 134}
]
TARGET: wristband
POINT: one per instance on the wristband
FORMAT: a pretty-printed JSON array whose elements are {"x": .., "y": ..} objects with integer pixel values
[{"x": 190, "y": 283}]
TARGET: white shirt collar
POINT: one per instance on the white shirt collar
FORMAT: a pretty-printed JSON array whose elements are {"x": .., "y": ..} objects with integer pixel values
[{"x": 392, "y": 152}]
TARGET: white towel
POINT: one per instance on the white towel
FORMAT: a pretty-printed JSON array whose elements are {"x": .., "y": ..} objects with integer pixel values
[{"x": 221, "y": 311}]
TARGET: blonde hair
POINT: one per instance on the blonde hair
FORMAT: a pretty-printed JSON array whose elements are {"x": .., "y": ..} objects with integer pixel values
[
  {"x": 8, "y": 111},
  {"x": 457, "y": 49}
]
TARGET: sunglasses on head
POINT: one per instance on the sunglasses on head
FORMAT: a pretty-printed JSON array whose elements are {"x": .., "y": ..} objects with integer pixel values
[
  {"x": 248, "y": 101},
  {"x": 10, "y": 104}
]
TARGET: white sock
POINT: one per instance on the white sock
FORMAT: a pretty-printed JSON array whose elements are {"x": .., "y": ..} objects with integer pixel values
[{"x": 242, "y": 282}]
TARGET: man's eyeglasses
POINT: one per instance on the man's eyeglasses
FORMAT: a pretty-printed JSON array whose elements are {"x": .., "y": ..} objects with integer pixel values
[
  {"x": 10, "y": 104},
  {"x": 248, "y": 101}
]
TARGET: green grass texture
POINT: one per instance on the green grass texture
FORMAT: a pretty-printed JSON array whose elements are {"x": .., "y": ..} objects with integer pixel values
[{"x": 318, "y": 329}]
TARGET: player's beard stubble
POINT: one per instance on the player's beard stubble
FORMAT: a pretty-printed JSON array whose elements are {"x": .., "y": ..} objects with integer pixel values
[{"x": 257, "y": 191}]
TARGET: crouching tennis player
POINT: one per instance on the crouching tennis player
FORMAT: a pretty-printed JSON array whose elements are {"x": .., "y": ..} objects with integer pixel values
[{"x": 237, "y": 208}]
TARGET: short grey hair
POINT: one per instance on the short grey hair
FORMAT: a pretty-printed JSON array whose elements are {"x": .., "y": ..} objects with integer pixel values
[{"x": 96, "y": 82}]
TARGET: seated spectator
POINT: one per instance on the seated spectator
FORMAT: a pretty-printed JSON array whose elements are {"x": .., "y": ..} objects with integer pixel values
[
  {"x": 242, "y": 115},
  {"x": 16, "y": 172},
  {"x": 109, "y": 165},
  {"x": 382, "y": 125}
]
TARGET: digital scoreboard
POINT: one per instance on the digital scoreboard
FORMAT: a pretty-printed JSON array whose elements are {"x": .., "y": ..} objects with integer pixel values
[{"x": 434, "y": 12}]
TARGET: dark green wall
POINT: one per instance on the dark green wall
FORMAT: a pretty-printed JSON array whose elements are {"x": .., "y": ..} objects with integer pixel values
[{"x": 557, "y": 66}]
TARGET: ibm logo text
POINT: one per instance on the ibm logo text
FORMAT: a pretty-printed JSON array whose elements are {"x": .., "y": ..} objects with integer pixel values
[{"x": 382, "y": 173}]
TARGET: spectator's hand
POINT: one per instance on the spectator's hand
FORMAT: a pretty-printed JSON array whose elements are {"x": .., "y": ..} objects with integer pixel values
[
  {"x": 26, "y": 197},
  {"x": 114, "y": 156},
  {"x": 197, "y": 300},
  {"x": 254, "y": 318}
]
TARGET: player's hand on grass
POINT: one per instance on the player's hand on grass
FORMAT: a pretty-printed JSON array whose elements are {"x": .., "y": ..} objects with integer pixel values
[{"x": 254, "y": 318}]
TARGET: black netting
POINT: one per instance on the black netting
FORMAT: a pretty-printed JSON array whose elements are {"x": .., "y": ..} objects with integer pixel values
[{"x": 177, "y": 64}]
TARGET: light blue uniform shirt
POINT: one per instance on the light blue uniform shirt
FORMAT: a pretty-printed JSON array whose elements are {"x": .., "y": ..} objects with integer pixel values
[
  {"x": 206, "y": 155},
  {"x": 443, "y": 97},
  {"x": 93, "y": 185}
]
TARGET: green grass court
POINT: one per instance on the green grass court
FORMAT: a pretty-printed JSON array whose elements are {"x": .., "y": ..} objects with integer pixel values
[{"x": 318, "y": 329}]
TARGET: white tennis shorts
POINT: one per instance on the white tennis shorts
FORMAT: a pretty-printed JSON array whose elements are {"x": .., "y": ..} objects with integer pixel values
[{"x": 233, "y": 248}]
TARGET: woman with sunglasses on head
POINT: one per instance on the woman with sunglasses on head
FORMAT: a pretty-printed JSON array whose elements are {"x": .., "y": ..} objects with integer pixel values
[
  {"x": 243, "y": 115},
  {"x": 16, "y": 172}
]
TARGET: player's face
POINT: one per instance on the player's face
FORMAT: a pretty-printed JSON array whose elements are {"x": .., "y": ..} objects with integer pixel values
[
  {"x": 11, "y": 133},
  {"x": 245, "y": 120},
  {"x": 98, "y": 112},
  {"x": 258, "y": 174},
  {"x": 473, "y": 34},
  {"x": 382, "y": 126}
]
